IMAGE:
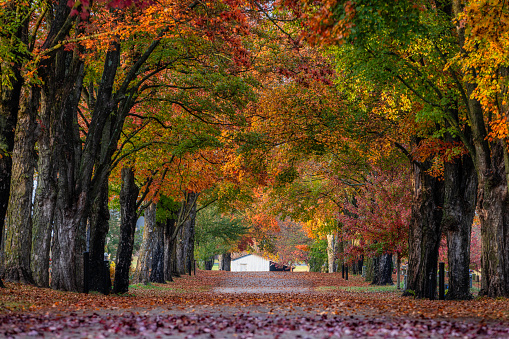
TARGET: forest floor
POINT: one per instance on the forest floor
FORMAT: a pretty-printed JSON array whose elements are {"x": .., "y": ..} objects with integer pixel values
[{"x": 215, "y": 304}]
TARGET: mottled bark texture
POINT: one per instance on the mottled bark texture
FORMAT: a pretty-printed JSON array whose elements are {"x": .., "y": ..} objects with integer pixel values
[
  {"x": 128, "y": 217},
  {"x": 10, "y": 94},
  {"x": 209, "y": 263},
  {"x": 225, "y": 262},
  {"x": 157, "y": 272},
  {"x": 71, "y": 206},
  {"x": 99, "y": 276},
  {"x": 425, "y": 232},
  {"x": 370, "y": 270},
  {"x": 185, "y": 233},
  {"x": 382, "y": 269},
  {"x": 44, "y": 203},
  {"x": 492, "y": 166},
  {"x": 144, "y": 265},
  {"x": 460, "y": 182},
  {"x": 331, "y": 252},
  {"x": 169, "y": 247},
  {"x": 18, "y": 237},
  {"x": 493, "y": 210}
]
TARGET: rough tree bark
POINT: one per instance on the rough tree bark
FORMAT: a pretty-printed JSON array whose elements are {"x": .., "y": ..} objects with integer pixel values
[
  {"x": 459, "y": 208},
  {"x": 169, "y": 247},
  {"x": 180, "y": 250},
  {"x": 144, "y": 265},
  {"x": 128, "y": 217},
  {"x": 369, "y": 270},
  {"x": 10, "y": 94},
  {"x": 18, "y": 237},
  {"x": 157, "y": 272},
  {"x": 425, "y": 233},
  {"x": 185, "y": 235},
  {"x": 191, "y": 232},
  {"x": 491, "y": 161},
  {"x": 99, "y": 226},
  {"x": 225, "y": 262},
  {"x": 209, "y": 264},
  {"x": 69, "y": 221},
  {"x": 382, "y": 270},
  {"x": 44, "y": 203}
]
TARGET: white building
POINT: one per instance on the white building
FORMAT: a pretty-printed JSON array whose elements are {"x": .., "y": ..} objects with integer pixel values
[{"x": 250, "y": 263}]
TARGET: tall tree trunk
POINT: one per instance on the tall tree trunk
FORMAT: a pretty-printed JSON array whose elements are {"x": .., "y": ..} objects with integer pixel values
[
  {"x": 331, "y": 252},
  {"x": 492, "y": 165},
  {"x": 128, "y": 217},
  {"x": 173, "y": 261},
  {"x": 10, "y": 97},
  {"x": 493, "y": 209},
  {"x": 71, "y": 207},
  {"x": 185, "y": 235},
  {"x": 191, "y": 231},
  {"x": 144, "y": 265},
  {"x": 225, "y": 262},
  {"x": 383, "y": 270},
  {"x": 398, "y": 270},
  {"x": 459, "y": 208},
  {"x": 44, "y": 205},
  {"x": 209, "y": 264},
  {"x": 18, "y": 240},
  {"x": 425, "y": 233},
  {"x": 370, "y": 273},
  {"x": 169, "y": 246},
  {"x": 181, "y": 249},
  {"x": 376, "y": 271},
  {"x": 99, "y": 226},
  {"x": 157, "y": 273}
]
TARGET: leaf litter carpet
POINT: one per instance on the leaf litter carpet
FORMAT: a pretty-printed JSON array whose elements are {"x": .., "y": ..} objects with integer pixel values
[{"x": 216, "y": 304}]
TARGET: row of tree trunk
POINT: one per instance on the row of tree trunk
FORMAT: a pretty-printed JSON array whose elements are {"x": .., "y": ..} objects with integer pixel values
[
  {"x": 69, "y": 214},
  {"x": 167, "y": 246}
]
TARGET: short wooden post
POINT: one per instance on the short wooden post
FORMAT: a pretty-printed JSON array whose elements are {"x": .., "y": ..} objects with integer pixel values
[{"x": 346, "y": 272}]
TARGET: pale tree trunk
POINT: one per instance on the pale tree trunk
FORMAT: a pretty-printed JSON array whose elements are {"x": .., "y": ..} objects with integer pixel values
[
  {"x": 18, "y": 239},
  {"x": 425, "y": 233},
  {"x": 220, "y": 260},
  {"x": 459, "y": 208},
  {"x": 331, "y": 252},
  {"x": 128, "y": 217},
  {"x": 142, "y": 274}
]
